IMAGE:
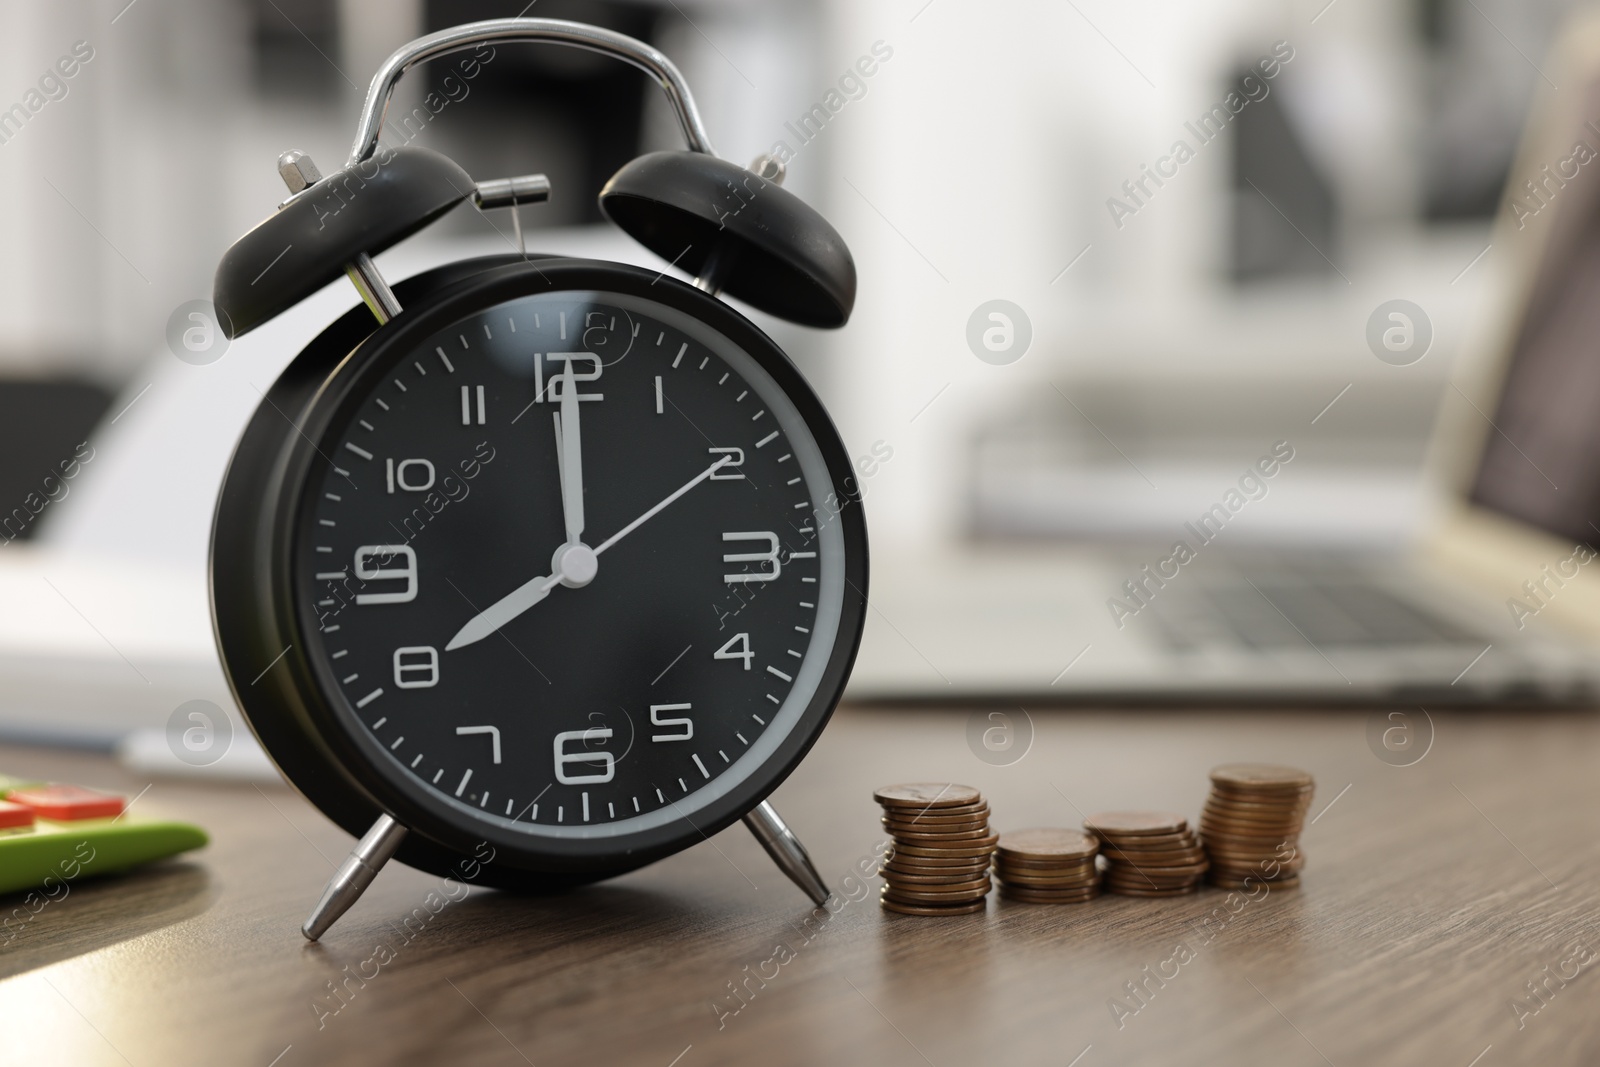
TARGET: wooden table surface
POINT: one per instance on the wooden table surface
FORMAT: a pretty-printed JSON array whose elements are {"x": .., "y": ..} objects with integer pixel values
[{"x": 1433, "y": 895}]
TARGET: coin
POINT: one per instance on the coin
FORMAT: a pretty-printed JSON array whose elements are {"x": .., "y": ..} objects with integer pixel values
[
  {"x": 1129, "y": 891},
  {"x": 1031, "y": 896},
  {"x": 1066, "y": 870},
  {"x": 1036, "y": 871},
  {"x": 1012, "y": 860},
  {"x": 1257, "y": 801},
  {"x": 960, "y": 813},
  {"x": 1157, "y": 871},
  {"x": 1048, "y": 843},
  {"x": 1258, "y": 869},
  {"x": 924, "y": 795},
  {"x": 1115, "y": 853},
  {"x": 1050, "y": 887},
  {"x": 1261, "y": 792},
  {"x": 980, "y": 884},
  {"x": 1254, "y": 777},
  {"x": 898, "y": 831},
  {"x": 1228, "y": 818},
  {"x": 982, "y": 846},
  {"x": 1156, "y": 841},
  {"x": 907, "y": 896},
  {"x": 933, "y": 909},
  {"x": 1176, "y": 858},
  {"x": 1263, "y": 847},
  {"x": 964, "y": 874},
  {"x": 1253, "y": 883},
  {"x": 941, "y": 839},
  {"x": 939, "y": 858},
  {"x": 1142, "y": 881},
  {"x": 1135, "y": 823}
]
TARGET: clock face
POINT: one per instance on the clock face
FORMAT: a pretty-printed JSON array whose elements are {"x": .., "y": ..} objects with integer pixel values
[{"x": 571, "y": 565}]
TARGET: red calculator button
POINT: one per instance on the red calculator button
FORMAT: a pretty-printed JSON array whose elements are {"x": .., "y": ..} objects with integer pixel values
[
  {"x": 14, "y": 816},
  {"x": 67, "y": 803}
]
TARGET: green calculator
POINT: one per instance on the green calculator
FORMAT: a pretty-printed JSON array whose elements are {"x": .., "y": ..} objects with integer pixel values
[{"x": 56, "y": 833}]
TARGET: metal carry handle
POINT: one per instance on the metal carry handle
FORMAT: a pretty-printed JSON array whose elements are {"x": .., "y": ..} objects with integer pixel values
[{"x": 506, "y": 31}]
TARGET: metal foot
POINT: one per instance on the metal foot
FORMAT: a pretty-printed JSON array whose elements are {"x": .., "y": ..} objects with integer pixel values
[
  {"x": 786, "y": 851},
  {"x": 355, "y": 874}
]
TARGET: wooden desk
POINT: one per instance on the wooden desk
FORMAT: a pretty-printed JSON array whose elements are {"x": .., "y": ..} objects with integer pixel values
[{"x": 1433, "y": 894}]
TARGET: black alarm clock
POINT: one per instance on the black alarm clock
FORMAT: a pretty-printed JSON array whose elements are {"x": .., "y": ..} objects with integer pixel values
[{"x": 541, "y": 567}]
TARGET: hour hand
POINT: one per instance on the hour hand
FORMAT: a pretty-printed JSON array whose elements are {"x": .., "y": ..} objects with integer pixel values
[
  {"x": 569, "y": 450},
  {"x": 503, "y": 611}
]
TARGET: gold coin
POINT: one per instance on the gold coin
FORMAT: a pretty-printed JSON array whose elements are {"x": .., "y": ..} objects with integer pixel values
[
  {"x": 919, "y": 796},
  {"x": 1135, "y": 823},
  {"x": 1048, "y": 843},
  {"x": 1253, "y": 777},
  {"x": 933, "y": 909}
]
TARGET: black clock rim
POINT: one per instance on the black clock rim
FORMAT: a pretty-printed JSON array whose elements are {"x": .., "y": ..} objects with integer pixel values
[{"x": 440, "y": 837}]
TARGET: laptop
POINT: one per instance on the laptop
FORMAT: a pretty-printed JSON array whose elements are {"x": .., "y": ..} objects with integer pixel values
[{"x": 1497, "y": 600}]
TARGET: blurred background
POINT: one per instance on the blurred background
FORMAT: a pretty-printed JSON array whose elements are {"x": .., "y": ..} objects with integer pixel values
[{"x": 998, "y": 151}]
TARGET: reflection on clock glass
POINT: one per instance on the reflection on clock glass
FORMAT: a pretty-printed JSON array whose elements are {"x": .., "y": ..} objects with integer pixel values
[{"x": 571, "y": 564}]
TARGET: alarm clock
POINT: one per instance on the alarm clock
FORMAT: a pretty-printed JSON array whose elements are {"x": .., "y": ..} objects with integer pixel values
[{"x": 534, "y": 567}]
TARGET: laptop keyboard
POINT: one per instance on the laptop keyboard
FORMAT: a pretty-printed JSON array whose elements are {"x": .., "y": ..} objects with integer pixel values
[{"x": 1278, "y": 612}]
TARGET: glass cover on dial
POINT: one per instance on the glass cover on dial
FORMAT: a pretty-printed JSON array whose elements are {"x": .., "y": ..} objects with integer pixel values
[{"x": 574, "y": 563}]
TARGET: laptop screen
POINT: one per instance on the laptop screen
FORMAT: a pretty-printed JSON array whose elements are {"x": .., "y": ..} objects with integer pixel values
[{"x": 1541, "y": 459}]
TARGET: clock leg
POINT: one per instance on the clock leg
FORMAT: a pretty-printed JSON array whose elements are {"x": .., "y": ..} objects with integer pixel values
[
  {"x": 786, "y": 851},
  {"x": 353, "y": 877}
]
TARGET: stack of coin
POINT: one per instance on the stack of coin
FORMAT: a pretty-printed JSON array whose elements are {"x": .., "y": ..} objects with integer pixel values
[
  {"x": 1148, "y": 853},
  {"x": 1251, "y": 824},
  {"x": 942, "y": 845},
  {"x": 1047, "y": 866}
]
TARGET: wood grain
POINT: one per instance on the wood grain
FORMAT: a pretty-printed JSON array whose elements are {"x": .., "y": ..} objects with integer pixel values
[{"x": 1432, "y": 895}]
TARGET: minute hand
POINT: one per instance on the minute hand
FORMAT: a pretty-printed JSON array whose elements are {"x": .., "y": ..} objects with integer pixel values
[
  {"x": 533, "y": 591},
  {"x": 675, "y": 494}
]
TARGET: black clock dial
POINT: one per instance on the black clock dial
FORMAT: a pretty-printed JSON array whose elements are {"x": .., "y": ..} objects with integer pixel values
[{"x": 572, "y": 565}]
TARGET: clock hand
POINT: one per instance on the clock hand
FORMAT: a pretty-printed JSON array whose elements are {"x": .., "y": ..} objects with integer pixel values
[
  {"x": 647, "y": 516},
  {"x": 503, "y": 611},
  {"x": 571, "y": 457},
  {"x": 576, "y": 564}
]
